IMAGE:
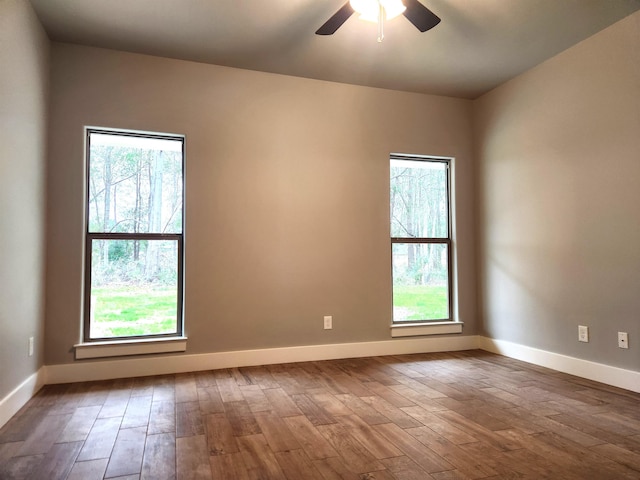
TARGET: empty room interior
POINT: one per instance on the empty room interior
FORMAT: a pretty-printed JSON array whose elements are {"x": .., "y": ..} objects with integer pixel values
[{"x": 272, "y": 239}]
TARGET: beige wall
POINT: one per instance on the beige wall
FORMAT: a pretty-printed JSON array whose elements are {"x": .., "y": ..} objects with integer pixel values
[
  {"x": 24, "y": 57},
  {"x": 559, "y": 191},
  {"x": 286, "y": 194}
]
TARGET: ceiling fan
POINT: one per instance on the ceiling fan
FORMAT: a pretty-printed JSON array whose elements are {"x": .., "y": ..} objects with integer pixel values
[{"x": 378, "y": 11}]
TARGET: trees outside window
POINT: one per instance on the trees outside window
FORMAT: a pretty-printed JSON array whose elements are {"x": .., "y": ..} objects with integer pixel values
[
  {"x": 134, "y": 235},
  {"x": 421, "y": 239}
]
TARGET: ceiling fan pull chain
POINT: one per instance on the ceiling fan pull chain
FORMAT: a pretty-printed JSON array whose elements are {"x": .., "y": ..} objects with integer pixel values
[{"x": 381, "y": 13}]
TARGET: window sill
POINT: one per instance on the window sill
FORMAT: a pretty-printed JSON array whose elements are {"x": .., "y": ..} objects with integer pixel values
[
  {"x": 121, "y": 348},
  {"x": 425, "y": 328}
]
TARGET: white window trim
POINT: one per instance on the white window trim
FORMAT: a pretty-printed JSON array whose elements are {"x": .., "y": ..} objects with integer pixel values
[
  {"x": 435, "y": 327},
  {"x": 134, "y": 346},
  {"x": 425, "y": 328}
]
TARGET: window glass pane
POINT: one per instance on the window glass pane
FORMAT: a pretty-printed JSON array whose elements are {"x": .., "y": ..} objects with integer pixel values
[
  {"x": 419, "y": 199},
  {"x": 134, "y": 288},
  {"x": 135, "y": 184},
  {"x": 420, "y": 281}
]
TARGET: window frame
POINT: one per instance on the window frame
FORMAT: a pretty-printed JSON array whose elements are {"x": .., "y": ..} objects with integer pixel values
[
  {"x": 90, "y": 237},
  {"x": 448, "y": 241}
]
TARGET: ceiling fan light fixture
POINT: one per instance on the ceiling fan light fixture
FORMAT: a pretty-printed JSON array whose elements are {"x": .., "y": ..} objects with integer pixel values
[{"x": 369, "y": 10}]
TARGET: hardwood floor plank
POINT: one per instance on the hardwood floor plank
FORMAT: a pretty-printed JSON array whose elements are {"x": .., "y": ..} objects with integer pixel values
[
  {"x": 451, "y": 453},
  {"x": 329, "y": 402},
  {"x": 164, "y": 389},
  {"x": 142, "y": 387},
  {"x": 205, "y": 379},
  {"x": 162, "y": 418},
  {"x": 617, "y": 423},
  {"x": 284, "y": 379},
  {"x": 334, "y": 468},
  {"x": 79, "y": 425},
  {"x": 20, "y": 467},
  {"x": 314, "y": 412},
  {"x": 192, "y": 458},
  {"x": 21, "y": 425},
  {"x": 314, "y": 444},
  {"x": 126, "y": 457},
  {"x": 276, "y": 432},
  {"x": 389, "y": 395},
  {"x": 159, "y": 458},
  {"x": 9, "y": 450},
  {"x": 282, "y": 403},
  {"x": 349, "y": 384},
  {"x": 96, "y": 394},
  {"x": 259, "y": 459},
  {"x": 101, "y": 438},
  {"x": 210, "y": 400},
  {"x": 58, "y": 461},
  {"x": 188, "y": 419},
  {"x": 49, "y": 395},
  {"x": 296, "y": 465},
  {"x": 439, "y": 426},
  {"x": 228, "y": 466},
  {"x": 137, "y": 412},
  {"x": 590, "y": 428},
  {"x": 355, "y": 455},
  {"x": 367, "y": 413},
  {"x": 255, "y": 398},
  {"x": 478, "y": 431},
  {"x": 186, "y": 389},
  {"x": 115, "y": 404},
  {"x": 45, "y": 434},
  {"x": 394, "y": 414},
  {"x": 241, "y": 419},
  {"x": 504, "y": 463},
  {"x": 619, "y": 455},
  {"x": 229, "y": 390},
  {"x": 403, "y": 468},
  {"x": 70, "y": 399},
  {"x": 260, "y": 376},
  {"x": 477, "y": 412},
  {"x": 422, "y": 455},
  {"x": 379, "y": 446},
  {"x": 220, "y": 438},
  {"x": 89, "y": 470}
]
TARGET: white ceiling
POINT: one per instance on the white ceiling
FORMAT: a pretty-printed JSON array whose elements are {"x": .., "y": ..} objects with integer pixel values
[{"x": 478, "y": 45}]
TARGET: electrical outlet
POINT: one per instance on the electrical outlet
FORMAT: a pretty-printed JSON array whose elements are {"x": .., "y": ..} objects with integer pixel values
[
  {"x": 623, "y": 340},
  {"x": 583, "y": 333},
  {"x": 31, "y": 346},
  {"x": 328, "y": 322}
]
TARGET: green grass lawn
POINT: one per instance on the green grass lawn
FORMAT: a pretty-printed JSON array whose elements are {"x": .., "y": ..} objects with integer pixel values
[
  {"x": 133, "y": 310},
  {"x": 420, "y": 302}
]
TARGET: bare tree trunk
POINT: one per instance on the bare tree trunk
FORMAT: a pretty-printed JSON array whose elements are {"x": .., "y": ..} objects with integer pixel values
[
  {"x": 107, "y": 202},
  {"x": 137, "y": 210},
  {"x": 155, "y": 214}
]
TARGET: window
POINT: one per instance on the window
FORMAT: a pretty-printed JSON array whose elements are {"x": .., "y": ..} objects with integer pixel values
[
  {"x": 134, "y": 235},
  {"x": 421, "y": 240}
]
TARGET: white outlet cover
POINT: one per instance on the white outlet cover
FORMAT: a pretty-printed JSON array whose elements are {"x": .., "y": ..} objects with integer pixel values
[
  {"x": 583, "y": 333},
  {"x": 623, "y": 340}
]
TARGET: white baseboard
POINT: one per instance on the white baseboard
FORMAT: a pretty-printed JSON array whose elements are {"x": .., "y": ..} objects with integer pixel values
[
  {"x": 617, "y": 377},
  {"x": 20, "y": 395},
  {"x": 143, "y": 366}
]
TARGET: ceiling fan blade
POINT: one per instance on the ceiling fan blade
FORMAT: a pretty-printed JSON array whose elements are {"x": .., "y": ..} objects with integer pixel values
[
  {"x": 336, "y": 21},
  {"x": 423, "y": 18}
]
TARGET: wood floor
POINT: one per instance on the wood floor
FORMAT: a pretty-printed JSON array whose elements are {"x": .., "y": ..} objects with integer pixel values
[{"x": 463, "y": 415}]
